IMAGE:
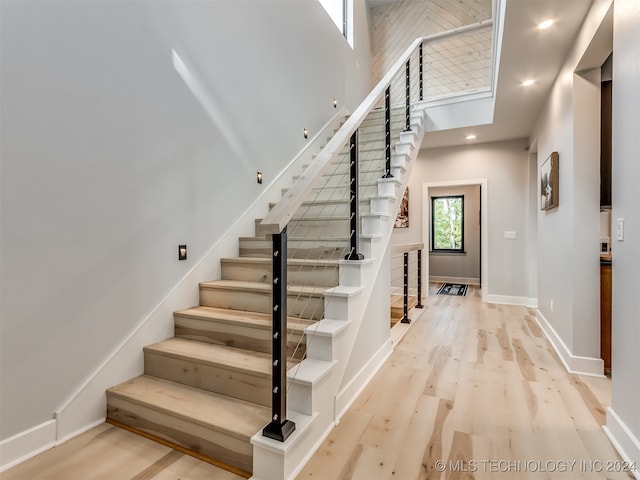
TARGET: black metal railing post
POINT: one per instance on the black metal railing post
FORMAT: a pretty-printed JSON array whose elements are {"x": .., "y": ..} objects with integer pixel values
[
  {"x": 279, "y": 428},
  {"x": 405, "y": 313},
  {"x": 387, "y": 132},
  {"x": 420, "y": 75},
  {"x": 354, "y": 200},
  {"x": 419, "y": 304},
  {"x": 407, "y": 94}
]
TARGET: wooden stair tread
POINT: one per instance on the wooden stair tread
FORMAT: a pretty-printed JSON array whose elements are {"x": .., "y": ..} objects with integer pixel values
[
  {"x": 250, "y": 319},
  {"x": 202, "y": 352},
  {"x": 398, "y": 300},
  {"x": 261, "y": 287},
  {"x": 234, "y": 417},
  {"x": 300, "y": 239},
  {"x": 329, "y": 262}
]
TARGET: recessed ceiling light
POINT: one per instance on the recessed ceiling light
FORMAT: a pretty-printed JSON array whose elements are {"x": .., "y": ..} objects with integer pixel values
[
  {"x": 471, "y": 137},
  {"x": 528, "y": 83},
  {"x": 546, "y": 24}
]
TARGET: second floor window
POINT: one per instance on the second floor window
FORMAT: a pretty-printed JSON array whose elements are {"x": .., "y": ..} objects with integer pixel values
[{"x": 338, "y": 10}]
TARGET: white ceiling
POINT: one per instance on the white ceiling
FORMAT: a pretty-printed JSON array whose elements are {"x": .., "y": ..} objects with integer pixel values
[{"x": 526, "y": 53}]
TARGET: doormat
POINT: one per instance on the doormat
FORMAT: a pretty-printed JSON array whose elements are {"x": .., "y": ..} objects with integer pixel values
[{"x": 453, "y": 289}]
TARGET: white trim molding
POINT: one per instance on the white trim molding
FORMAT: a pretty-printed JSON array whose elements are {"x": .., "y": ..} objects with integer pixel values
[
  {"x": 27, "y": 444},
  {"x": 624, "y": 441},
  {"x": 511, "y": 300},
  {"x": 590, "y": 366},
  {"x": 468, "y": 281}
]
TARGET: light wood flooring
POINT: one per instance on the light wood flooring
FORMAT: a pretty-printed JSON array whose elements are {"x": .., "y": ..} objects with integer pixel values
[{"x": 472, "y": 389}]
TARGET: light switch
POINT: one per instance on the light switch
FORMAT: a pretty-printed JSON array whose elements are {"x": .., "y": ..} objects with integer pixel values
[
  {"x": 620, "y": 229},
  {"x": 510, "y": 235}
]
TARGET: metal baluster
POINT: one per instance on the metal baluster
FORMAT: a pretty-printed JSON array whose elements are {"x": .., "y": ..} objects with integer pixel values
[
  {"x": 387, "y": 132},
  {"x": 419, "y": 305},
  {"x": 407, "y": 93},
  {"x": 405, "y": 315},
  {"x": 279, "y": 428},
  {"x": 420, "y": 75},
  {"x": 354, "y": 200}
]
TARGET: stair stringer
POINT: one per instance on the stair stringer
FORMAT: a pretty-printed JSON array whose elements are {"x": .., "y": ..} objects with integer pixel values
[{"x": 319, "y": 392}]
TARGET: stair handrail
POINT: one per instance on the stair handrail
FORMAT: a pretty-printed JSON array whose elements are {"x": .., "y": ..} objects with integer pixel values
[{"x": 280, "y": 215}]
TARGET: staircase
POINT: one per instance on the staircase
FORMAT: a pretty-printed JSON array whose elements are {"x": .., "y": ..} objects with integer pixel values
[{"x": 207, "y": 390}]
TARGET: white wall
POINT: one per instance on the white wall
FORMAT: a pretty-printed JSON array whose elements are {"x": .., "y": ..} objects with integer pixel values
[
  {"x": 623, "y": 419},
  {"x": 111, "y": 158},
  {"x": 568, "y": 236},
  {"x": 504, "y": 166}
]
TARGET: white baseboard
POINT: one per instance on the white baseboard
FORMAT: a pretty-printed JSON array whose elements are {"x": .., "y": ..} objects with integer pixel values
[
  {"x": 27, "y": 444},
  {"x": 348, "y": 394},
  {"x": 511, "y": 300},
  {"x": 467, "y": 280},
  {"x": 624, "y": 441},
  {"x": 572, "y": 363}
]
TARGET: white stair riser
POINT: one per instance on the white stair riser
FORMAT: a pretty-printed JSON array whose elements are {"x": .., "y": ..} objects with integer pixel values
[
  {"x": 304, "y": 307},
  {"x": 337, "y": 307},
  {"x": 243, "y": 385},
  {"x": 296, "y": 249},
  {"x": 382, "y": 204},
  {"x": 237, "y": 336},
  {"x": 343, "y": 179},
  {"x": 237, "y": 452},
  {"x": 316, "y": 275},
  {"x": 342, "y": 192},
  {"x": 325, "y": 209},
  {"x": 398, "y": 172},
  {"x": 403, "y": 148},
  {"x": 399, "y": 160},
  {"x": 365, "y": 165},
  {"x": 373, "y": 224},
  {"x": 319, "y": 228},
  {"x": 314, "y": 227},
  {"x": 389, "y": 187}
]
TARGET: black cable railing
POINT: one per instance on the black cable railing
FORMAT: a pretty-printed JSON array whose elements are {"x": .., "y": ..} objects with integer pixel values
[
  {"x": 277, "y": 222},
  {"x": 406, "y": 275}
]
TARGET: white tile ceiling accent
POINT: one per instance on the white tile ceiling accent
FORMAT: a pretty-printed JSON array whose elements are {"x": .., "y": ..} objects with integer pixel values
[{"x": 455, "y": 64}]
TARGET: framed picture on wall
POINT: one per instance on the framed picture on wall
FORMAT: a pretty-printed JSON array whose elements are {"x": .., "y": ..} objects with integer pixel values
[
  {"x": 402, "y": 219},
  {"x": 549, "y": 175}
]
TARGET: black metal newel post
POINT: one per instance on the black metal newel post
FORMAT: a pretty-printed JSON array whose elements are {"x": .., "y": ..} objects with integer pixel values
[
  {"x": 354, "y": 200},
  {"x": 407, "y": 94},
  {"x": 405, "y": 314},
  {"x": 279, "y": 428},
  {"x": 420, "y": 74},
  {"x": 419, "y": 305},
  {"x": 387, "y": 132}
]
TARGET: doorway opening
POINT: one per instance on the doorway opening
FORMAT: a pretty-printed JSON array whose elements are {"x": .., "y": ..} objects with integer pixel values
[{"x": 469, "y": 263}]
